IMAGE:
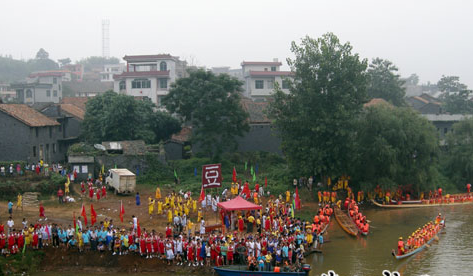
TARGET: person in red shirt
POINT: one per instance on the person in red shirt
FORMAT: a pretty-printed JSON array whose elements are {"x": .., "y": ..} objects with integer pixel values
[
  {"x": 97, "y": 193},
  {"x": 440, "y": 192},
  {"x": 60, "y": 195},
  {"x": 41, "y": 211},
  {"x": 104, "y": 191},
  {"x": 82, "y": 187},
  {"x": 91, "y": 192},
  {"x": 240, "y": 224},
  {"x": 190, "y": 254},
  {"x": 168, "y": 231},
  {"x": 468, "y": 187}
]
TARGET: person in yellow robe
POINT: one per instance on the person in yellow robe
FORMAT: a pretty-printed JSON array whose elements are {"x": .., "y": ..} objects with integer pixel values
[
  {"x": 288, "y": 196},
  {"x": 151, "y": 206},
  {"x": 19, "y": 202},
  {"x": 194, "y": 206},
  {"x": 169, "y": 216},
  {"x": 199, "y": 215},
  {"x": 186, "y": 210},
  {"x": 81, "y": 241},
  {"x": 173, "y": 205},
  {"x": 158, "y": 193},
  {"x": 160, "y": 207},
  {"x": 66, "y": 188}
]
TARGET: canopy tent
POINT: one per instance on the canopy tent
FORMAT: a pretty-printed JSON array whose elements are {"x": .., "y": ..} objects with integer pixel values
[{"x": 238, "y": 203}]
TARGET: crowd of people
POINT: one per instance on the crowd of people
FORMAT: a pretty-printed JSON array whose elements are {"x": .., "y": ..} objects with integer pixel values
[
  {"x": 420, "y": 236},
  {"x": 358, "y": 218}
]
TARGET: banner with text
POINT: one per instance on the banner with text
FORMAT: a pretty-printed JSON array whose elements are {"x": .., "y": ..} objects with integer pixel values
[{"x": 211, "y": 176}]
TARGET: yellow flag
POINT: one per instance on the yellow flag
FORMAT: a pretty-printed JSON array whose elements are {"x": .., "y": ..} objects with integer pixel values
[{"x": 103, "y": 168}]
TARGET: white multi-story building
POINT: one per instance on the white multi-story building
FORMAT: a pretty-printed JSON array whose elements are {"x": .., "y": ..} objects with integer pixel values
[
  {"x": 260, "y": 77},
  {"x": 149, "y": 76},
  {"x": 40, "y": 87},
  {"x": 111, "y": 69}
]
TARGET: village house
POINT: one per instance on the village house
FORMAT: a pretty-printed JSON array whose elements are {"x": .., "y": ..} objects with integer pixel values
[
  {"x": 149, "y": 76},
  {"x": 40, "y": 87},
  {"x": 111, "y": 69},
  {"x": 30, "y": 136}
]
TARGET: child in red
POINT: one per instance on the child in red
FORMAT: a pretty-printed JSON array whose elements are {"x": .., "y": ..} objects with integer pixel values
[
  {"x": 98, "y": 194},
  {"x": 104, "y": 191},
  {"x": 231, "y": 248},
  {"x": 41, "y": 210},
  {"x": 142, "y": 245},
  {"x": 190, "y": 254},
  {"x": 91, "y": 192}
]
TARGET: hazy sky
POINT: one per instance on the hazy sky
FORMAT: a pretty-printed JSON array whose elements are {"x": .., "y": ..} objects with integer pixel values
[{"x": 429, "y": 38}]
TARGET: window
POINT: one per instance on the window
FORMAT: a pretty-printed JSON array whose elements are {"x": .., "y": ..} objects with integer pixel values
[
  {"x": 29, "y": 94},
  {"x": 163, "y": 83},
  {"x": 55, "y": 93},
  {"x": 55, "y": 80},
  {"x": 37, "y": 131},
  {"x": 153, "y": 67},
  {"x": 259, "y": 84},
  {"x": 137, "y": 83},
  {"x": 34, "y": 151},
  {"x": 265, "y": 69},
  {"x": 48, "y": 93},
  {"x": 163, "y": 66},
  {"x": 285, "y": 84},
  {"x": 122, "y": 85},
  {"x": 50, "y": 132},
  {"x": 273, "y": 68},
  {"x": 445, "y": 130},
  {"x": 270, "y": 84},
  {"x": 54, "y": 147}
]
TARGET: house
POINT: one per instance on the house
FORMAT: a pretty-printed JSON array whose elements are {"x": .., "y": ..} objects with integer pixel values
[
  {"x": 6, "y": 93},
  {"x": 111, "y": 69},
  {"x": 68, "y": 115},
  {"x": 445, "y": 122},
  {"x": 84, "y": 166},
  {"x": 377, "y": 102},
  {"x": 87, "y": 88},
  {"x": 149, "y": 76},
  {"x": 260, "y": 77},
  {"x": 76, "y": 71},
  {"x": 27, "y": 135},
  {"x": 174, "y": 147},
  {"x": 40, "y": 87},
  {"x": 425, "y": 104},
  {"x": 77, "y": 101}
]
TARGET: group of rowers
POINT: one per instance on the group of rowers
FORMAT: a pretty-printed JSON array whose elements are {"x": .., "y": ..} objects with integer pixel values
[
  {"x": 322, "y": 219},
  {"x": 449, "y": 199},
  {"x": 420, "y": 237},
  {"x": 358, "y": 218}
]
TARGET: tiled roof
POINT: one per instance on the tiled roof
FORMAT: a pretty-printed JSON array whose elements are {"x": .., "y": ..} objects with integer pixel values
[
  {"x": 255, "y": 111},
  {"x": 144, "y": 57},
  {"x": 47, "y": 74},
  {"x": 73, "y": 110},
  {"x": 421, "y": 99},
  {"x": 376, "y": 101},
  {"x": 77, "y": 101},
  {"x": 27, "y": 115},
  {"x": 183, "y": 136},
  {"x": 269, "y": 63},
  {"x": 270, "y": 73},
  {"x": 141, "y": 74}
]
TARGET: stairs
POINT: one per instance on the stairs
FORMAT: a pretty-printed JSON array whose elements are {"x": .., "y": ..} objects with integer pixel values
[{"x": 30, "y": 199}]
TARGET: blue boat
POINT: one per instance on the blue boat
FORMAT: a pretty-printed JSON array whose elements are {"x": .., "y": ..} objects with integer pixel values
[
  {"x": 236, "y": 270},
  {"x": 413, "y": 252}
]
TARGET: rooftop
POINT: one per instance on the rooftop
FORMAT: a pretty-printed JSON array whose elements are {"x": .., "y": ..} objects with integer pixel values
[
  {"x": 376, "y": 101},
  {"x": 27, "y": 115},
  {"x": 73, "y": 110},
  {"x": 446, "y": 117},
  {"x": 269, "y": 63},
  {"x": 255, "y": 111},
  {"x": 183, "y": 136},
  {"x": 147, "y": 57},
  {"x": 58, "y": 73},
  {"x": 270, "y": 73},
  {"x": 77, "y": 101}
]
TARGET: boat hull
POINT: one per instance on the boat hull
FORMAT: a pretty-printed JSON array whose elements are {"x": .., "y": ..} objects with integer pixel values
[
  {"x": 412, "y": 253},
  {"x": 419, "y": 205},
  {"x": 234, "y": 271},
  {"x": 345, "y": 222}
]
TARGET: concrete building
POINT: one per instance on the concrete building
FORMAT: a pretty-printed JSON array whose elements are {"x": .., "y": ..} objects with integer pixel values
[
  {"x": 30, "y": 136},
  {"x": 444, "y": 123},
  {"x": 237, "y": 73},
  {"x": 40, "y": 87},
  {"x": 261, "y": 76},
  {"x": 76, "y": 71},
  {"x": 7, "y": 94},
  {"x": 111, "y": 69},
  {"x": 149, "y": 76}
]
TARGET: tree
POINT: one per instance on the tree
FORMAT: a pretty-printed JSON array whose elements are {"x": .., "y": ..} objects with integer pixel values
[
  {"x": 315, "y": 120},
  {"x": 395, "y": 146},
  {"x": 459, "y": 153},
  {"x": 458, "y": 103},
  {"x": 413, "y": 79},
  {"x": 90, "y": 63},
  {"x": 384, "y": 82},
  {"x": 448, "y": 84},
  {"x": 212, "y": 105},
  {"x": 64, "y": 61},
  {"x": 115, "y": 117},
  {"x": 42, "y": 54}
]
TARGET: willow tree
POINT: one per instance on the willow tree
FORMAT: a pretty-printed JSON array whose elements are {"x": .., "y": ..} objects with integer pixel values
[{"x": 316, "y": 119}]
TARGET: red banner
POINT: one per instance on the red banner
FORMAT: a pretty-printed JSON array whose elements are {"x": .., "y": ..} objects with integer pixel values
[{"x": 211, "y": 176}]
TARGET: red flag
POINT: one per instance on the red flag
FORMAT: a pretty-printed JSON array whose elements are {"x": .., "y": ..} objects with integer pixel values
[
  {"x": 234, "y": 179},
  {"x": 122, "y": 211},
  {"x": 298, "y": 201},
  {"x": 202, "y": 194},
  {"x": 74, "y": 220},
  {"x": 84, "y": 214},
  {"x": 138, "y": 228},
  {"x": 266, "y": 182},
  {"x": 246, "y": 190},
  {"x": 93, "y": 215}
]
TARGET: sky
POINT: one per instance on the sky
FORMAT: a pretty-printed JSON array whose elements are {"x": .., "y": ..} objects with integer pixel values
[{"x": 429, "y": 38}]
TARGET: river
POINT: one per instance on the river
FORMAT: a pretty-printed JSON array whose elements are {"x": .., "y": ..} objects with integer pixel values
[{"x": 369, "y": 256}]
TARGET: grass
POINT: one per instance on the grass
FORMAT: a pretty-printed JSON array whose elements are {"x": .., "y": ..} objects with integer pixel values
[{"x": 17, "y": 264}]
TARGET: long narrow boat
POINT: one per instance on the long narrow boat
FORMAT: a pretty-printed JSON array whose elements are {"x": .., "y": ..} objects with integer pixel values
[
  {"x": 345, "y": 222},
  {"x": 359, "y": 229},
  {"x": 417, "y": 250},
  {"x": 236, "y": 270},
  {"x": 418, "y": 205}
]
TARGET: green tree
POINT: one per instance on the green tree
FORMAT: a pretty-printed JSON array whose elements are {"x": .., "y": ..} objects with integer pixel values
[
  {"x": 384, "y": 82},
  {"x": 458, "y": 103},
  {"x": 395, "y": 146},
  {"x": 413, "y": 79},
  {"x": 315, "y": 120},
  {"x": 92, "y": 62},
  {"x": 64, "y": 61},
  {"x": 115, "y": 117},
  {"x": 450, "y": 84},
  {"x": 212, "y": 105},
  {"x": 459, "y": 153},
  {"x": 42, "y": 54}
]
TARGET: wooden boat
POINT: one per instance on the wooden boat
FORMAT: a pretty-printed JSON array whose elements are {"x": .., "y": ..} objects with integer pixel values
[
  {"x": 419, "y": 205},
  {"x": 359, "y": 230},
  {"x": 236, "y": 270},
  {"x": 345, "y": 222},
  {"x": 417, "y": 250}
]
